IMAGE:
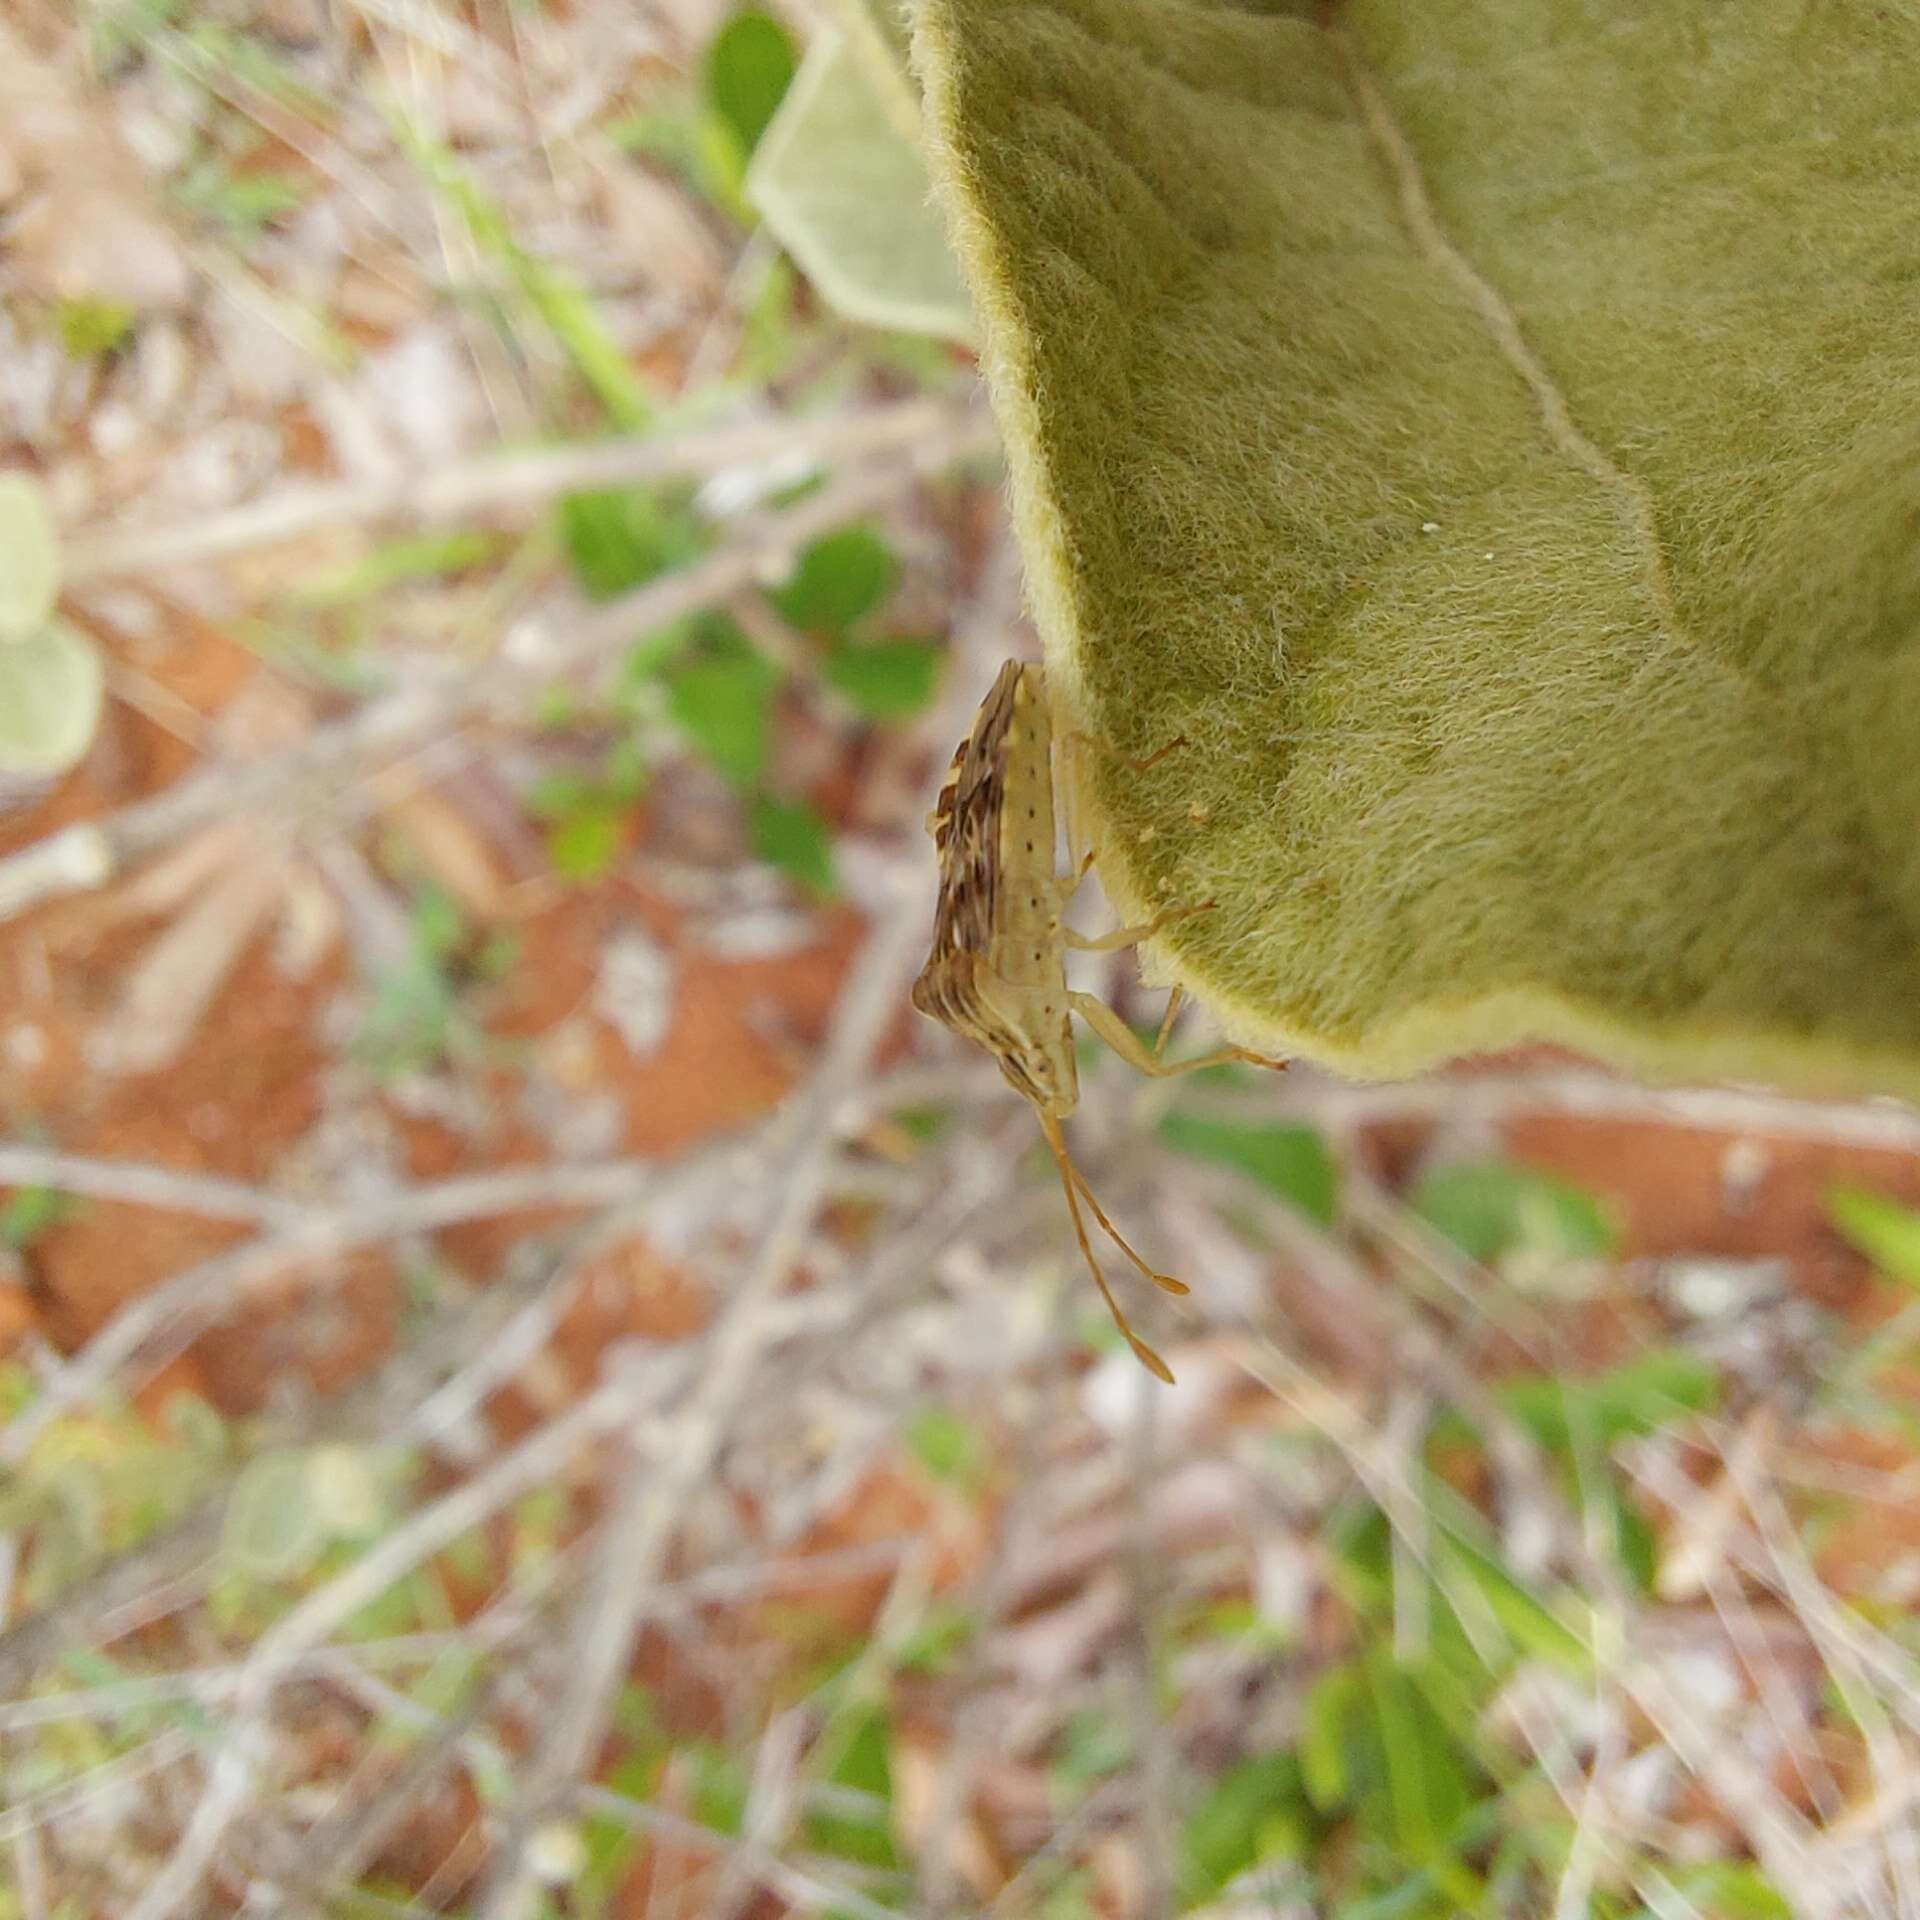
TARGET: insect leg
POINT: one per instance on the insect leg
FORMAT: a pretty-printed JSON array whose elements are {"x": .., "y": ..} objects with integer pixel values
[
  {"x": 1069, "y": 884},
  {"x": 1132, "y": 936},
  {"x": 1073, "y": 1184},
  {"x": 1127, "y": 1044},
  {"x": 1167, "y": 1019}
]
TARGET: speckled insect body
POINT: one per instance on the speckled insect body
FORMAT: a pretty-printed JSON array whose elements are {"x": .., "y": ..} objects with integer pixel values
[
  {"x": 997, "y": 973},
  {"x": 998, "y": 969}
]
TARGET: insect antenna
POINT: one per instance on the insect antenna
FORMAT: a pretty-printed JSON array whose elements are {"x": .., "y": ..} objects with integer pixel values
[
  {"x": 1071, "y": 1181},
  {"x": 1165, "y": 1281}
]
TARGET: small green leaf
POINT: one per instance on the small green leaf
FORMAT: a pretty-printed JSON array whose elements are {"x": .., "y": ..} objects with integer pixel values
[
  {"x": 1523, "y": 1615},
  {"x": 1641, "y": 1396},
  {"x": 29, "y": 1211},
  {"x": 788, "y": 834},
  {"x": 412, "y": 1604},
  {"x": 1291, "y": 1161},
  {"x": 1885, "y": 1231},
  {"x": 719, "y": 1795},
  {"x": 860, "y": 1743},
  {"x": 29, "y": 556},
  {"x": 91, "y": 328},
  {"x": 585, "y": 844},
  {"x": 1493, "y": 1209},
  {"x": 948, "y": 1447},
  {"x": 620, "y": 538},
  {"x": 346, "y": 1491},
  {"x": 749, "y": 68},
  {"x": 246, "y": 202},
  {"x": 1251, "y": 1814},
  {"x": 885, "y": 679},
  {"x": 50, "y": 691},
  {"x": 723, "y": 703},
  {"x": 1326, "y": 1730},
  {"x": 1729, "y": 1890},
  {"x": 272, "y": 1530},
  {"x": 837, "y": 580},
  {"x": 1428, "y": 1785}
]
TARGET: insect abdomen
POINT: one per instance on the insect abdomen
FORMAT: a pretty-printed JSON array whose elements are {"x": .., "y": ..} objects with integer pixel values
[{"x": 1027, "y": 939}]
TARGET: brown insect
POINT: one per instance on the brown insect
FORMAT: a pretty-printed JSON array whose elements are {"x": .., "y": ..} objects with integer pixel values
[{"x": 997, "y": 974}]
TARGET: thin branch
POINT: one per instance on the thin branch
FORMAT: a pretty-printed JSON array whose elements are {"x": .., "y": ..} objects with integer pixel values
[
  {"x": 137, "y": 1183},
  {"x": 536, "y": 652},
  {"x": 516, "y": 478}
]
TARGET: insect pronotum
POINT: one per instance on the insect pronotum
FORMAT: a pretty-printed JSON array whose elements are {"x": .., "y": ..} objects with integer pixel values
[{"x": 997, "y": 974}]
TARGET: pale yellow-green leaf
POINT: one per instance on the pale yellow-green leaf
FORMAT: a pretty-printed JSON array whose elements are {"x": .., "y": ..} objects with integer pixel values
[
  {"x": 347, "y": 1491},
  {"x": 273, "y": 1529},
  {"x": 1489, "y": 432},
  {"x": 843, "y": 187},
  {"x": 29, "y": 556},
  {"x": 49, "y": 700}
]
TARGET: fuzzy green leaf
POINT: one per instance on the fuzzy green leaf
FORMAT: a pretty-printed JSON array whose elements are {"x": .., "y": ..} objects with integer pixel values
[
  {"x": 1326, "y": 1733},
  {"x": 50, "y": 691},
  {"x": 1489, "y": 432},
  {"x": 948, "y": 1447},
  {"x": 583, "y": 845},
  {"x": 843, "y": 186}
]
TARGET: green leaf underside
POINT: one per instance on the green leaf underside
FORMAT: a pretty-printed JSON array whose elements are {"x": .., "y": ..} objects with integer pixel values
[{"x": 1490, "y": 433}]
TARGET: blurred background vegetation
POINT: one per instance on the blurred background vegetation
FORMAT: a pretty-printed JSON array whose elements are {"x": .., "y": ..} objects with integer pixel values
[{"x": 531, "y": 1385}]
